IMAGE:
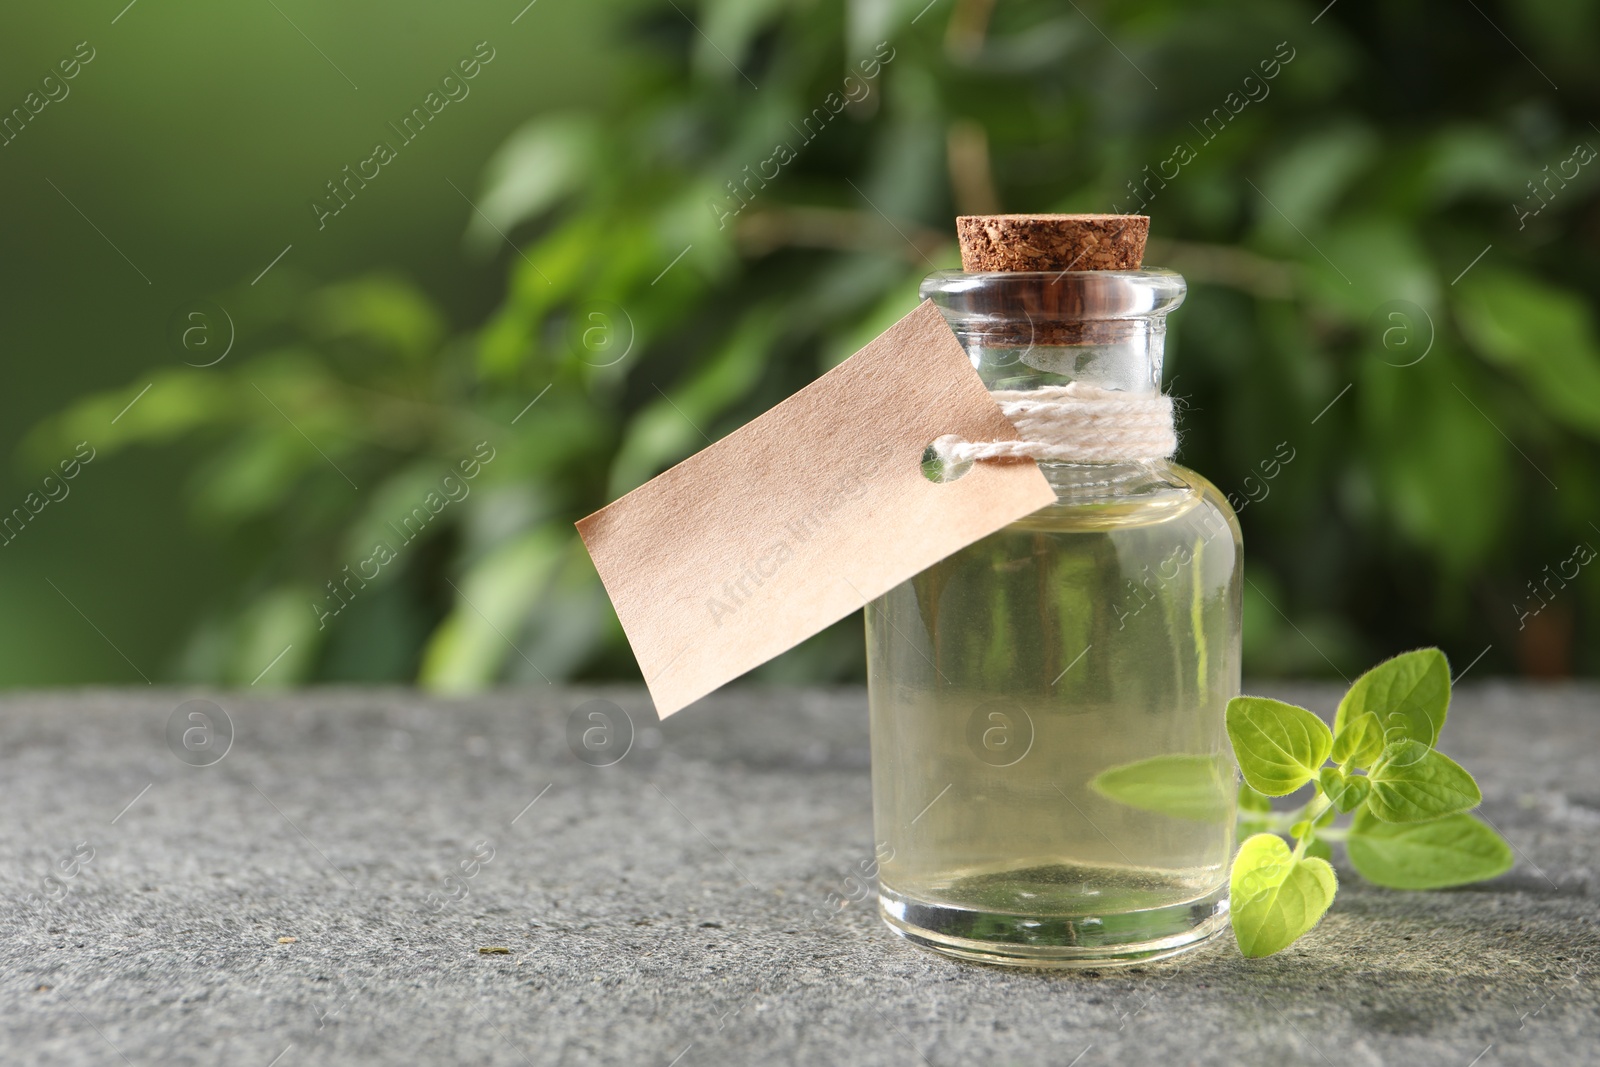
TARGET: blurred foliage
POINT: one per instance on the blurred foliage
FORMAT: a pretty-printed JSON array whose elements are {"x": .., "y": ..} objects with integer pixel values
[{"x": 658, "y": 296}]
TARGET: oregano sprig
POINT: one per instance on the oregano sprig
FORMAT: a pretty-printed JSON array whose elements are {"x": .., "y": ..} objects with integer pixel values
[{"x": 1410, "y": 827}]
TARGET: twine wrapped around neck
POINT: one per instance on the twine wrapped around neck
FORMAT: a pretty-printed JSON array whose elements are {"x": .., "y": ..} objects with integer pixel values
[{"x": 1074, "y": 423}]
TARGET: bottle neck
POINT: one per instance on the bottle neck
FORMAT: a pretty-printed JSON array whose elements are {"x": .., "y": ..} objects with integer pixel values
[
  {"x": 1130, "y": 362},
  {"x": 1024, "y": 330},
  {"x": 1034, "y": 330},
  {"x": 1029, "y": 330}
]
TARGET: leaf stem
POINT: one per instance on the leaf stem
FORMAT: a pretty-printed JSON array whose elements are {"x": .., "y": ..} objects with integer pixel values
[{"x": 1310, "y": 813}]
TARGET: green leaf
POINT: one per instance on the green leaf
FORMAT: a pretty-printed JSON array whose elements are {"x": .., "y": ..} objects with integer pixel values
[
  {"x": 1279, "y": 746},
  {"x": 1319, "y": 849},
  {"x": 484, "y": 628},
  {"x": 1444, "y": 484},
  {"x": 179, "y": 403},
  {"x": 1183, "y": 786},
  {"x": 1309, "y": 178},
  {"x": 274, "y": 628},
  {"x": 728, "y": 28},
  {"x": 1543, "y": 335},
  {"x": 1250, "y": 800},
  {"x": 1410, "y": 694},
  {"x": 669, "y": 427},
  {"x": 1415, "y": 783},
  {"x": 1454, "y": 850},
  {"x": 1360, "y": 742},
  {"x": 385, "y": 312},
  {"x": 1274, "y": 898},
  {"x": 1401, "y": 265},
  {"x": 545, "y": 160},
  {"x": 1346, "y": 791}
]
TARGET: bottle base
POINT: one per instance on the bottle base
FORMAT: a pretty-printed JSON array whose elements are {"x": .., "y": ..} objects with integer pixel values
[{"x": 1080, "y": 942}]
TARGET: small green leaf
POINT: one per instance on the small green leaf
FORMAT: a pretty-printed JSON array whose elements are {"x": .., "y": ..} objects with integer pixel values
[
  {"x": 1326, "y": 818},
  {"x": 1274, "y": 898},
  {"x": 1346, "y": 791},
  {"x": 1279, "y": 746},
  {"x": 1250, "y": 800},
  {"x": 1415, "y": 783},
  {"x": 1183, "y": 786},
  {"x": 1454, "y": 850},
  {"x": 1410, "y": 694},
  {"x": 1360, "y": 742},
  {"x": 1320, "y": 850},
  {"x": 1300, "y": 830}
]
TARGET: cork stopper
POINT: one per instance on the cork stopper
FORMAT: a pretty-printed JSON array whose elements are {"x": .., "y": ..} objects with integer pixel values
[
  {"x": 1051, "y": 242},
  {"x": 1063, "y": 308}
]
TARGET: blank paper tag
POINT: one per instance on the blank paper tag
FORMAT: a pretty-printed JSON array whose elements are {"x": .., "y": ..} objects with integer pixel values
[{"x": 800, "y": 517}]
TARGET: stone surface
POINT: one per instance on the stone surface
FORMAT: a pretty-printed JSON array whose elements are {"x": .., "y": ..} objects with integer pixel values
[{"x": 674, "y": 908}]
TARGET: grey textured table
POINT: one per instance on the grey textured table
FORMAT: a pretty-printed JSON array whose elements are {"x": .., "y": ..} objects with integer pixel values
[{"x": 673, "y": 908}]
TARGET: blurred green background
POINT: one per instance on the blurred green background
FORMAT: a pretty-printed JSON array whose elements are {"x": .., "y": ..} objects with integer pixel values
[{"x": 1387, "y": 215}]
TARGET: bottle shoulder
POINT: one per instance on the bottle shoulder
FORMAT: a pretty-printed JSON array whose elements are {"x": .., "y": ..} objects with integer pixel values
[
  {"x": 1107, "y": 497},
  {"x": 1210, "y": 495}
]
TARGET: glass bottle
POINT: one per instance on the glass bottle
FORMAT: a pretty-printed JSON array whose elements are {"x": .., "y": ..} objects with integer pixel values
[{"x": 1052, "y": 782}]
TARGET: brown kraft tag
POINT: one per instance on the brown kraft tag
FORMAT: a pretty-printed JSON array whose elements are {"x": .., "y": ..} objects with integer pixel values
[{"x": 802, "y": 516}]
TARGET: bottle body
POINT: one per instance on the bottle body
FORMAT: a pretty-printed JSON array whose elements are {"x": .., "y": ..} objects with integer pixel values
[{"x": 1052, "y": 782}]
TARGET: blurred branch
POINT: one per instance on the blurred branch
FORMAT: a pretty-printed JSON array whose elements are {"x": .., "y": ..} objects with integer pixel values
[
  {"x": 405, "y": 423},
  {"x": 763, "y": 232},
  {"x": 1237, "y": 268}
]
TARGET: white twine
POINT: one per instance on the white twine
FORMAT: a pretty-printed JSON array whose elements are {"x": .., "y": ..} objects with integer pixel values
[{"x": 1074, "y": 423}]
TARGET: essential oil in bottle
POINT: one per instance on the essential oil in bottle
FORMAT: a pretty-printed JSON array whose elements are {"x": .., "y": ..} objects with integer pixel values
[{"x": 1052, "y": 784}]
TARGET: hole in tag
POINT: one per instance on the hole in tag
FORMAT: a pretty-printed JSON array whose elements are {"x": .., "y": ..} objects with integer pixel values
[{"x": 936, "y": 468}]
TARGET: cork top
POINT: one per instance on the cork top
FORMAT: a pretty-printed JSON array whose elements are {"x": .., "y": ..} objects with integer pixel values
[{"x": 1051, "y": 242}]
